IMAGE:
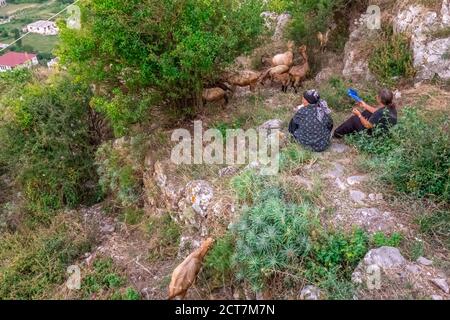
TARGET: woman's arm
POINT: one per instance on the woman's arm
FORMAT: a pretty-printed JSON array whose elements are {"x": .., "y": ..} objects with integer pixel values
[
  {"x": 364, "y": 105},
  {"x": 366, "y": 123}
]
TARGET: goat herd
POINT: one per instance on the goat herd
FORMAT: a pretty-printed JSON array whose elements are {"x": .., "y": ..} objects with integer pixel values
[{"x": 282, "y": 71}]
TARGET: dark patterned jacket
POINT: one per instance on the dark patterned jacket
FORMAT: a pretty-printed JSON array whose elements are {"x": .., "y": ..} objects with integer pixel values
[{"x": 309, "y": 130}]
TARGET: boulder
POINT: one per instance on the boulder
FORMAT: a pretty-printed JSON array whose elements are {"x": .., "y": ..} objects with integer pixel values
[
  {"x": 442, "y": 284},
  {"x": 384, "y": 257},
  {"x": 310, "y": 293},
  {"x": 356, "y": 65},
  {"x": 171, "y": 189},
  {"x": 282, "y": 22},
  {"x": 421, "y": 23},
  {"x": 271, "y": 124}
]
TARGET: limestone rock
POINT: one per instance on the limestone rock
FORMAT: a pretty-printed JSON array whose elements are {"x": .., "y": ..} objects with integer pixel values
[
  {"x": 356, "y": 180},
  {"x": 384, "y": 257},
  {"x": 357, "y": 196},
  {"x": 310, "y": 293},
  {"x": 442, "y": 284},
  {"x": 272, "y": 124},
  {"x": 282, "y": 22},
  {"x": 420, "y": 23},
  {"x": 337, "y": 172},
  {"x": 338, "y": 148},
  {"x": 198, "y": 195},
  {"x": 424, "y": 261}
]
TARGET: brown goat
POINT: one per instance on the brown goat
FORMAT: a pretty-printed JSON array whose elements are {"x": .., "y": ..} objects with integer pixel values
[
  {"x": 298, "y": 73},
  {"x": 270, "y": 73},
  {"x": 214, "y": 94},
  {"x": 286, "y": 58},
  {"x": 324, "y": 38},
  {"x": 185, "y": 274},
  {"x": 284, "y": 79},
  {"x": 243, "y": 79}
]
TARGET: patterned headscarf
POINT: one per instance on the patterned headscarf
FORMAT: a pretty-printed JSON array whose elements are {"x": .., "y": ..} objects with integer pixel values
[{"x": 313, "y": 97}]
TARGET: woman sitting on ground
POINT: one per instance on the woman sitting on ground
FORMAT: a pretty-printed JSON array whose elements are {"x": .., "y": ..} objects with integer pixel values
[
  {"x": 312, "y": 124},
  {"x": 383, "y": 117}
]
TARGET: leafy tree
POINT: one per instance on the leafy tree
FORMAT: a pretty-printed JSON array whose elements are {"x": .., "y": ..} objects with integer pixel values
[{"x": 141, "y": 53}]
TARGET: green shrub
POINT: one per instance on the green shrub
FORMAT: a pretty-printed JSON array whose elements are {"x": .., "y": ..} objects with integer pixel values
[
  {"x": 45, "y": 141},
  {"x": 341, "y": 251},
  {"x": 294, "y": 156},
  {"x": 379, "y": 239},
  {"x": 217, "y": 265},
  {"x": 271, "y": 236},
  {"x": 164, "y": 235},
  {"x": 143, "y": 53},
  {"x": 120, "y": 172},
  {"x": 414, "y": 156},
  {"x": 247, "y": 185},
  {"x": 392, "y": 58},
  {"x": 105, "y": 281}
]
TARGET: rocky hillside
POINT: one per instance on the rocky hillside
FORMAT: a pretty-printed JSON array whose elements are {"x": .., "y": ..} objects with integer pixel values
[{"x": 367, "y": 219}]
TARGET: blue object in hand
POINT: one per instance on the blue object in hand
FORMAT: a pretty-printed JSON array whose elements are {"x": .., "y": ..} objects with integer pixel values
[{"x": 352, "y": 93}]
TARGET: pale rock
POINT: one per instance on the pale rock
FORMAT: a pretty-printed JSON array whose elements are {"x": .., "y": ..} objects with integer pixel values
[
  {"x": 337, "y": 172},
  {"x": 419, "y": 22},
  {"x": 271, "y": 124},
  {"x": 384, "y": 257},
  {"x": 339, "y": 148},
  {"x": 198, "y": 195},
  {"x": 441, "y": 283},
  {"x": 436, "y": 297},
  {"x": 282, "y": 22},
  {"x": 424, "y": 261},
  {"x": 412, "y": 268},
  {"x": 228, "y": 171},
  {"x": 310, "y": 293},
  {"x": 357, "y": 196},
  {"x": 356, "y": 180},
  {"x": 341, "y": 185}
]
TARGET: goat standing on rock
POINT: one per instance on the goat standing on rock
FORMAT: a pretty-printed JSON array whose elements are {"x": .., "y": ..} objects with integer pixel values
[{"x": 185, "y": 274}]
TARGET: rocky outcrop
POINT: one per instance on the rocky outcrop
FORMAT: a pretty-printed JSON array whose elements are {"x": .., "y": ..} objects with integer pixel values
[
  {"x": 386, "y": 269},
  {"x": 356, "y": 65},
  {"x": 429, "y": 44}
]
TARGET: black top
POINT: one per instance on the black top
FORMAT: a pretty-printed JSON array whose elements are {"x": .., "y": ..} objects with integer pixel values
[
  {"x": 384, "y": 118},
  {"x": 309, "y": 131}
]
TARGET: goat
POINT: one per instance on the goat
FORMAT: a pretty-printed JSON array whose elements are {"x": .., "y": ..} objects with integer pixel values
[
  {"x": 271, "y": 72},
  {"x": 324, "y": 38},
  {"x": 284, "y": 79},
  {"x": 298, "y": 73},
  {"x": 185, "y": 274},
  {"x": 214, "y": 94},
  {"x": 286, "y": 58},
  {"x": 243, "y": 79}
]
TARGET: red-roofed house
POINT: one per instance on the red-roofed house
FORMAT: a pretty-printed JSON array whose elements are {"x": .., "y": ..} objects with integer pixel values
[{"x": 12, "y": 60}]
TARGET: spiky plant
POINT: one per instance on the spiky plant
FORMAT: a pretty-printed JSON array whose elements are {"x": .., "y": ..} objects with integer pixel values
[{"x": 272, "y": 235}]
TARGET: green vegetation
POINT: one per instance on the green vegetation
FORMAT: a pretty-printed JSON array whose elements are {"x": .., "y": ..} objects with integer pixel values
[
  {"x": 271, "y": 236},
  {"x": 379, "y": 239},
  {"x": 182, "y": 46},
  {"x": 45, "y": 142},
  {"x": 414, "y": 157},
  {"x": 392, "y": 58},
  {"x": 33, "y": 262},
  {"x": 164, "y": 235},
  {"x": 106, "y": 282}
]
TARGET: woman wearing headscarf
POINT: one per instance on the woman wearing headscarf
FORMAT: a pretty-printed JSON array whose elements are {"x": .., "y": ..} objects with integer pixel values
[
  {"x": 384, "y": 116},
  {"x": 312, "y": 124}
]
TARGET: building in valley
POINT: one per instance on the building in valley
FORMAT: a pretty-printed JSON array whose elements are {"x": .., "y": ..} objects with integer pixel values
[
  {"x": 12, "y": 60},
  {"x": 43, "y": 27}
]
